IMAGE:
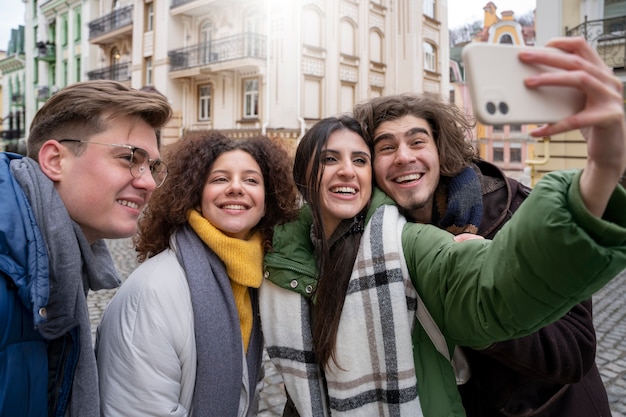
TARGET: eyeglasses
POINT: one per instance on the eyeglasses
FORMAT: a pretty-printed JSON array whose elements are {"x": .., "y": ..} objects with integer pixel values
[{"x": 138, "y": 161}]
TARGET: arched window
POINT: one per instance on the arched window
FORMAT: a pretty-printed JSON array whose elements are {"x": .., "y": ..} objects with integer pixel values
[
  {"x": 206, "y": 35},
  {"x": 311, "y": 27},
  {"x": 506, "y": 39},
  {"x": 376, "y": 47},
  {"x": 347, "y": 37},
  {"x": 430, "y": 57},
  {"x": 252, "y": 25}
]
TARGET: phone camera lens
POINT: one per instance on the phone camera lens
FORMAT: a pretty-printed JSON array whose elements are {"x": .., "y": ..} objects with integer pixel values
[
  {"x": 504, "y": 108},
  {"x": 491, "y": 108}
]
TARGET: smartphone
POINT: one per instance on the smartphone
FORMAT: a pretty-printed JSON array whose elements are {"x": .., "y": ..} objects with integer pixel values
[{"x": 495, "y": 77}]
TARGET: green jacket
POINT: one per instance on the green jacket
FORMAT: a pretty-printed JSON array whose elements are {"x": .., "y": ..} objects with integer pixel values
[{"x": 481, "y": 291}]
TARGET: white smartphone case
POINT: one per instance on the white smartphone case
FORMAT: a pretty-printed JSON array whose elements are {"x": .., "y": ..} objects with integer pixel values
[{"x": 495, "y": 77}]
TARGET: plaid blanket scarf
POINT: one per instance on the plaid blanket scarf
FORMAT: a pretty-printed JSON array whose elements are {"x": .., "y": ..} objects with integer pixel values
[{"x": 375, "y": 375}]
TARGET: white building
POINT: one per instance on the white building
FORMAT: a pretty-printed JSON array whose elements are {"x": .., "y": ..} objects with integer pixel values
[{"x": 241, "y": 66}]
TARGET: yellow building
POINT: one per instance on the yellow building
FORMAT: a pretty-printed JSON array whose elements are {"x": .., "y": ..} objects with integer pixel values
[{"x": 507, "y": 146}]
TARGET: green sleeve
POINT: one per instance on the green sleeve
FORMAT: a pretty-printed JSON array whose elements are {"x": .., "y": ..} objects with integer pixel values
[{"x": 551, "y": 255}]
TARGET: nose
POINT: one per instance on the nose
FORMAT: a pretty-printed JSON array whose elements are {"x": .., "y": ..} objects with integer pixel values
[
  {"x": 346, "y": 169},
  {"x": 403, "y": 155},
  {"x": 145, "y": 181},
  {"x": 235, "y": 186}
]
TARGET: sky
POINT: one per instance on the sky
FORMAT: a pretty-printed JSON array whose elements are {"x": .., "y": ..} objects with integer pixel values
[
  {"x": 12, "y": 16},
  {"x": 459, "y": 13}
]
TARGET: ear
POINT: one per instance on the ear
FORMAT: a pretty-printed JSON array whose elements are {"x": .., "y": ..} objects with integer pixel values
[{"x": 50, "y": 159}]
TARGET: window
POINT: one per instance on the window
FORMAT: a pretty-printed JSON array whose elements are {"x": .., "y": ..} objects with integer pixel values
[
  {"x": 204, "y": 102},
  {"x": 506, "y": 39},
  {"x": 429, "y": 8},
  {"x": 252, "y": 25},
  {"x": 498, "y": 153},
  {"x": 148, "y": 73},
  {"x": 251, "y": 98},
  {"x": 52, "y": 72},
  {"x": 149, "y": 22},
  {"x": 65, "y": 73},
  {"x": 347, "y": 98},
  {"x": 515, "y": 153},
  {"x": 430, "y": 57},
  {"x": 78, "y": 69},
  {"x": 52, "y": 32},
  {"x": 347, "y": 38},
  {"x": 376, "y": 47},
  {"x": 498, "y": 128},
  {"x": 516, "y": 128},
  {"x": 77, "y": 24},
  {"x": 206, "y": 34},
  {"x": 312, "y": 98},
  {"x": 64, "y": 30},
  {"x": 311, "y": 28}
]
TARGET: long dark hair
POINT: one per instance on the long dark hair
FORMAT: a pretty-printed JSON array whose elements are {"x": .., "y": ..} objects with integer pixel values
[{"x": 336, "y": 263}]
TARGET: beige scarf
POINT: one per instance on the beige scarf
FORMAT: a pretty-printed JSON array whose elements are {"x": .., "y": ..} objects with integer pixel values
[{"x": 244, "y": 265}]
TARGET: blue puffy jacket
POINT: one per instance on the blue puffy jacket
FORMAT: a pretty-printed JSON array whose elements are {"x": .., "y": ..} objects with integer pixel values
[{"x": 23, "y": 292}]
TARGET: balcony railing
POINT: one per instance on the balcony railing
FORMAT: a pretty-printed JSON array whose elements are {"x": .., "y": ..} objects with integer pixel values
[
  {"x": 607, "y": 36},
  {"x": 245, "y": 45},
  {"x": 117, "y": 72},
  {"x": 46, "y": 51},
  {"x": 110, "y": 22}
]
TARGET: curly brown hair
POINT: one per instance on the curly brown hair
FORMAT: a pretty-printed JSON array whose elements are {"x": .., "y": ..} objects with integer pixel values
[
  {"x": 189, "y": 161},
  {"x": 447, "y": 121}
]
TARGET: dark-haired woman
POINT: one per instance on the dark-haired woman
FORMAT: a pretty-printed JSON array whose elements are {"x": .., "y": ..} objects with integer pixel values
[{"x": 339, "y": 303}]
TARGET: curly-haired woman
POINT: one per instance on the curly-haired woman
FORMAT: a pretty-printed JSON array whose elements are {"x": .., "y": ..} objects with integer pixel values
[{"x": 182, "y": 335}]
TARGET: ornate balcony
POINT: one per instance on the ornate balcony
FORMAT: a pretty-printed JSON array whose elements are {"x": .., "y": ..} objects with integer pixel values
[
  {"x": 608, "y": 36},
  {"x": 117, "y": 72},
  {"x": 227, "y": 53},
  {"x": 108, "y": 27},
  {"x": 46, "y": 51}
]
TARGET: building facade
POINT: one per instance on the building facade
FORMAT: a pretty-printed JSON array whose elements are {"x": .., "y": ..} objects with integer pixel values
[
  {"x": 245, "y": 67},
  {"x": 12, "y": 106},
  {"x": 508, "y": 146},
  {"x": 603, "y": 24}
]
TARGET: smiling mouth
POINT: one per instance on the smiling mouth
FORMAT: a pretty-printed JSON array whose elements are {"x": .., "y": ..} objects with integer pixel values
[
  {"x": 128, "y": 204},
  {"x": 234, "y": 207},
  {"x": 408, "y": 178},
  {"x": 343, "y": 190}
]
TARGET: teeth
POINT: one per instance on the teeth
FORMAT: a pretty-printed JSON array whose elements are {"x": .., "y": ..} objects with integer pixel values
[
  {"x": 234, "y": 207},
  {"x": 411, "y": 177},
  {"x": 347, "y": 190},
  {"x": 128, "y": 204}
]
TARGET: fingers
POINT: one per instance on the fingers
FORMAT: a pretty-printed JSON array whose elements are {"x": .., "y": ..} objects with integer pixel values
[
  {"x": 585, "y": 71},
  {"x": 466, "y": 236}
]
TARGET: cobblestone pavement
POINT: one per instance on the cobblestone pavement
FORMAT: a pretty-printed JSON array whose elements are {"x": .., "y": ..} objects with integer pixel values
[{"x": 609, "y": 318}]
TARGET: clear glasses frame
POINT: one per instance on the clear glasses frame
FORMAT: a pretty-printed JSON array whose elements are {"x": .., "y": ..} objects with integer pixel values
[{"x": 138, "y": 163}]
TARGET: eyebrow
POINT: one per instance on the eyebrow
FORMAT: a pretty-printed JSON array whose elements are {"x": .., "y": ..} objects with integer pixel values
[
  {"x": 332, "y": 151},
  {"x": 229, "y": 172},
  {"x": 411, "y": 132}
]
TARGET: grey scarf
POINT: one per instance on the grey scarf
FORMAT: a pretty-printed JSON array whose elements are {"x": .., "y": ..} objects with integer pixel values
[
  {"x": 216, "y": 326},
  {"x": 75, "y": 268}
]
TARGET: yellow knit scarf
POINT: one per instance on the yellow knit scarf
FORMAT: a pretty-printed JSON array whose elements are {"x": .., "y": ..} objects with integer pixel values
[{"x": 244, "y": 265}]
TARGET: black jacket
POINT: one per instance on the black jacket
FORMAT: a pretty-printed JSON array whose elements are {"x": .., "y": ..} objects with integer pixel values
[{"x": 549, "y": 373}]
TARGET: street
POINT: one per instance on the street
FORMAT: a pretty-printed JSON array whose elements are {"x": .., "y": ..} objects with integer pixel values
[{"x": 609, "y": 319}]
